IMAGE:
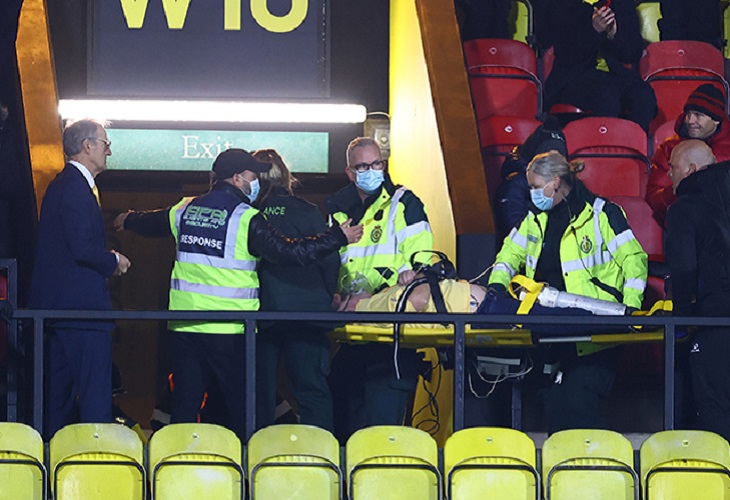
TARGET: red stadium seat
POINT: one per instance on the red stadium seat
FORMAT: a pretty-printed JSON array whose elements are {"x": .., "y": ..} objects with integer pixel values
[
  {"x": 645, "y": 227},
  {"x": 503, "y": 78},
  {"x": 675, "y": 68},
  {"x": 614, "y": 152},
  {"x": 663, "y": 131},
  {"x": 498, "y": 136}
]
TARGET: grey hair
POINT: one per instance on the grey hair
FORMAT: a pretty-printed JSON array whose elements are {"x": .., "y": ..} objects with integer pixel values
[
  {"x": 360, "y": 142},
  {"x": 75, "y": 133},
  {"x": 553, "y": 164}
]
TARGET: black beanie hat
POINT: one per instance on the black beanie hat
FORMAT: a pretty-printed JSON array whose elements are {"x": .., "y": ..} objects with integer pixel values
[
  {"x": 234, "y": 161},
  {"x": 707, "y": 99},
  {"x": 546, "y": 137}
]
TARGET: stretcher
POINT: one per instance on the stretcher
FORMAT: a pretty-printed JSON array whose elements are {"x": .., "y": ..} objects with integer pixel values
[{"x": 437, "y": 336}]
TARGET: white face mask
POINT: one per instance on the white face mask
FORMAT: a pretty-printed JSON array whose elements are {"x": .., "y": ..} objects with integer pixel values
[{"x": 253, "y": 190}]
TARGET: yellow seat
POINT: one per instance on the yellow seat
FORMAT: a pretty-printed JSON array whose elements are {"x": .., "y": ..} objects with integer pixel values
[
  {"x": 192, "y": 461},
  {"x": 294, "y": 462},
  {"x": 491, "y": 462},
  {"x": 589, "y": 463},
  {"x": 94, "y": 461},
  {"x": 22, "y": 474},
  {"x": 685, "y": 464},
  {"x": 392, "y": 462}
]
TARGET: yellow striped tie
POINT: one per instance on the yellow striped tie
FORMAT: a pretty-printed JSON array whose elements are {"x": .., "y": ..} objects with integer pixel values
[{"x": 95, "y": 191}]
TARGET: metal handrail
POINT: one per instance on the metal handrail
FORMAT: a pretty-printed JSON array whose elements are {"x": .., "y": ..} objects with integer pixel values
[{"x": 249, "y": 318}]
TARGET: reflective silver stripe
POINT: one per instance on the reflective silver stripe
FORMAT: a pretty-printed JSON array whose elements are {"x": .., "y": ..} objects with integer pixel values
[
  {"x": 504, "y": 267},
  {"x": 635, "y": 283},
  {"x": 223, "y": 292},
  {"x": 531, "y": 261},
  {"x": 597, "y": 209},
  {"x": 418, "y": 227},
  {"x": 620, "y": 239},
  {"x": 218, "y": 262},
  {"x": 343, "y": 258},
  {"x": 179, "y": 212},
  {"x": 404, "y": 267},
  {"x": 356, "y": 252},
  {"x": 518, "y": 238},
  {"x": 232, "y": 232},
  {"x": 587, "y": 262}
]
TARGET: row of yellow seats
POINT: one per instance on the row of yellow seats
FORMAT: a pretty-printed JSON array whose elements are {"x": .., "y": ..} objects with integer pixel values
[{"x": 203, "y": 461}]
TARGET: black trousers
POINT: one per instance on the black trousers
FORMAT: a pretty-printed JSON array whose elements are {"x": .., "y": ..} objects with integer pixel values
[
  {"x": 710, "y": 369},
  {"x": 575, "y": 402},
  {"x": 365, "y": 389},
  {"x": 200, "y": 359},
  {"x": 79, "y": 371},
  {"x": 605, "y": 94},
  {"x": 305, "y": 351}
]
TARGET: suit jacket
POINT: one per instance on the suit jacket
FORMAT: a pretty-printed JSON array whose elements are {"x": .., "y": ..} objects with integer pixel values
[{"x": 72, "y": 263}]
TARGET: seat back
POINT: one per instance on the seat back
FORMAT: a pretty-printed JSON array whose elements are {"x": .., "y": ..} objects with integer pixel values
[
  {"x": 646, "y": 229},
  {"x": 189, "y": 461},
  {"x": 503, "y": 78},
  {"x": 662, "y": 132},
  {"x": 97, "y": 461},
  {"x": 491, "y": 462},
  {"x": 22, "y": 474},
  {"x": 392, "y": 462},
  {"x": 589, "y": 463},
  {"x": 294, "y": 462},
  {"x": 498, "y": 136},
  {"x": 675, "y": 68},
  {"x": 614, "y": 152},
  {"x": 685, "y": 464}
]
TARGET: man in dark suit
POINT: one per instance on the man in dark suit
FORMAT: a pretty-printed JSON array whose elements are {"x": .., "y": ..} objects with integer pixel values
[{"x": 71, "y": 269}]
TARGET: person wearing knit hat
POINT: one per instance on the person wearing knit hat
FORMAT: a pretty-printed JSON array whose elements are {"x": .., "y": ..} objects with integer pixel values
[
  {"x": 704, "y": 118},
  {"x": 512, "y": 199},
  {"x": 704, "y": 110}
]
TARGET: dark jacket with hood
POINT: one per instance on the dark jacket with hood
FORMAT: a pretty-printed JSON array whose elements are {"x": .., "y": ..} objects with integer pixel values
[
  {"x": 698, "y": 243},
  {"x": 659, "y": 194}
]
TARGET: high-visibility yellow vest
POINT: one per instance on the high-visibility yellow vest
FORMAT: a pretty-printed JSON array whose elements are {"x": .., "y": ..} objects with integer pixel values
[
  {"x": 386, "y": 246},
  {"x": 589, "y": 248},
  {"x": 214, "y": 271}
]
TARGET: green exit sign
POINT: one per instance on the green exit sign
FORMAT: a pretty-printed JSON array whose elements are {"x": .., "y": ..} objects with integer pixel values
[{"x": 137, "y": 149}]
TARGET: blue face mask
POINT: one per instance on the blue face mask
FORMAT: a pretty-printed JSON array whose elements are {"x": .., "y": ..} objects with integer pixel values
[
  {"x": 255, "y": 188},
  {"x": 370, "y": 180},
  {"x": 541, "y": 201}
]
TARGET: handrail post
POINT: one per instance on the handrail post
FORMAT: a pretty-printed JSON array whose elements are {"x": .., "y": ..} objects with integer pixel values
[
  {"x": 669, "y": 376},
  {"x": 459, "y": 373},
  {"x": 38, "y": 362},
  {"x": 250, "y": 397}
]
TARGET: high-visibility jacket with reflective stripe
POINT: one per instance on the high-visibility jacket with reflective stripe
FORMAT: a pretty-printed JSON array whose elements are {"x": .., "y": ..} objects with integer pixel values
[
  {"x": 387, "y": 243},
  {"x": 214, "y": 270},
  {"x": 589, "y": 248}
]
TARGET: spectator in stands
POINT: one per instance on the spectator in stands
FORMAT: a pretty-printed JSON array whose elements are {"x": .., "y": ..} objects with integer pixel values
[
  {"x": 220, "y": 239},
  {"x": 597, "y": 52},
  {"x": 72, "y": 266},
  {"x": 513, "y": 195},
  {"x": 304, "y": 346},
  {"x": 703, "y": 118},
  {"x": 484, "y": 18},
  {"x": 697, "y": 249},
  {"x": 364, "y": 385},
  {"x": 579, "y": 243},
  {"x": 696, "y": 20}
]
